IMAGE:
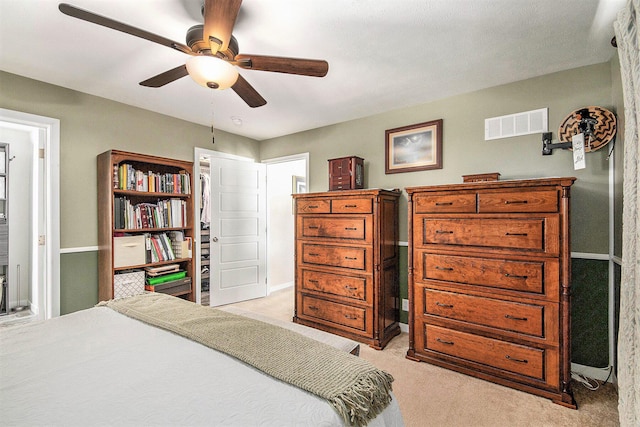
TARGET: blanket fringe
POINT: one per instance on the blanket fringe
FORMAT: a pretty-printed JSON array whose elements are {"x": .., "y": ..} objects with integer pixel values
[{"x": 365, "y": 400}]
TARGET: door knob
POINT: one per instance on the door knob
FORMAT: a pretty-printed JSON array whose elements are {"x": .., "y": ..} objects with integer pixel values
[{"x": 215, "y": 239}]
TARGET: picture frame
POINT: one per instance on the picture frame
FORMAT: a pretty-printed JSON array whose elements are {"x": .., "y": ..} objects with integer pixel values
[{"x": 413, "y": 148}]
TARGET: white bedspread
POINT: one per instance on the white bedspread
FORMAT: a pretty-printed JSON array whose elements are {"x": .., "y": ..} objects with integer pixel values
[{"x": 98, "y": 367}]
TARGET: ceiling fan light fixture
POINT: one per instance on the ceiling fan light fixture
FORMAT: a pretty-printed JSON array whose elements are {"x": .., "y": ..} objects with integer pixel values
[{"x": 212, "y": 72}]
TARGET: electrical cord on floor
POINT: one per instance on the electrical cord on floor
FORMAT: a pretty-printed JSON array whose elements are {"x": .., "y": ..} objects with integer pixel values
[{"x": 590, "y": 383}]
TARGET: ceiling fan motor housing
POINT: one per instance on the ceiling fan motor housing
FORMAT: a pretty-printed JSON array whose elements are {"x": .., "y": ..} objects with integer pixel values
[{"x": 198, "y": 45}]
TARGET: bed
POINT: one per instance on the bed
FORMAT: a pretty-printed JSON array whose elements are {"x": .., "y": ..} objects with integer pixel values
[{"x": 102, "y": 367}]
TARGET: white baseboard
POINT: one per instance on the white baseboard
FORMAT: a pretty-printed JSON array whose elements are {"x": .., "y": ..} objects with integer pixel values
[
  {"x": 279, "y": 287},
  {"x": 404, "y": 327}
]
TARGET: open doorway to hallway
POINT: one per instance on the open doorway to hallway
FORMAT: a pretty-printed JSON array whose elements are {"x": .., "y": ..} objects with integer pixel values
[
  {"x": 285, "y": 175},
  {"x": 33, "y": 218}
]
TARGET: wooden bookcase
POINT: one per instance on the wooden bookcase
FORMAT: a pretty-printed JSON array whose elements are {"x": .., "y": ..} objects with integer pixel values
[{"x": 179, "y": 189}]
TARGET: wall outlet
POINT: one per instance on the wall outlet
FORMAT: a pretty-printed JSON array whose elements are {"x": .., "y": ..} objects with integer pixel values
[{"x": 405, "y": 305}]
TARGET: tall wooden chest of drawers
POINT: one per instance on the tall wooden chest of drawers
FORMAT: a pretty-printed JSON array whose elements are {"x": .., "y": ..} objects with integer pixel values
[
  {"x": 347, "y": 264},
  {"x": 489, "y": 282}
]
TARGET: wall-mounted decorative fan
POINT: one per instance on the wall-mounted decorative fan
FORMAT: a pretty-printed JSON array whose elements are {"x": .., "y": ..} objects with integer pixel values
[{"x": 213, "y": 52}]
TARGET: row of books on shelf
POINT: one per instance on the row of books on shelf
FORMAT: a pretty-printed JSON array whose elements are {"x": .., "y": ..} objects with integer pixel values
[
  {"x": 168, "y": 246},
  {"x": 127, "y": 177},
  {"x": 168, "y": 213}
]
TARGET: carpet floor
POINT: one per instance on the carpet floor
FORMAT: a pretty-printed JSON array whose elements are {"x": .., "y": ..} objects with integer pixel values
[{"x": 432, "y": 396}]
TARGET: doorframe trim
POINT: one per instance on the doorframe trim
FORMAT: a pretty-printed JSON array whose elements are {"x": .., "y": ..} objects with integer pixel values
[{"x": 48, "y": 128}]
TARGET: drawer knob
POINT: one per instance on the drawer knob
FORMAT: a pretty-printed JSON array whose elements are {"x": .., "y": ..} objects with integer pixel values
[
  {"x": 312, "y": 207},
  {"x": 515, "y": 234},
  {"x": 350, "y": 228},
  {"x": 313, "y": 254},
  {"x": 350, "y": 288},
  {"x": 444, "y": 203},
  {"x": 516, "y": 360},
  {"x": 315, "y": 282},
  {"x": 444, "y": 268},
  {"x": 444, "y": 232},
  {"x": 515, "y": 202},
  {"x": 350, "y": 316},
  {"x": 508, "y": 316},
  {"x": 350, "y": 206},
  {"x": 441, "y": 341},
  {"x": 314, "y": 227},
  {"x": 350, "y": 258},
  {"x": 313, "y": 307},
  {"x": 439, "y": 304},
  {"x": 515, "y": 276}
]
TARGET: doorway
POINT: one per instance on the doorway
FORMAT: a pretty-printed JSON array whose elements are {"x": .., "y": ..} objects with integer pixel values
[
  {"x": 231, "y": 237},
  {"x": 33, "y": 272},
  {"x": 285, "y": 176}
]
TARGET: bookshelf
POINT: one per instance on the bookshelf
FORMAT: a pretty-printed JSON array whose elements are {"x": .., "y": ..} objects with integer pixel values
[{"x": 145, "y": 225}]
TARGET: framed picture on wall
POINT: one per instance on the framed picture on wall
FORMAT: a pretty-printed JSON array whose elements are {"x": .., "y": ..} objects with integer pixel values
[{"x": 414, "y": 147}]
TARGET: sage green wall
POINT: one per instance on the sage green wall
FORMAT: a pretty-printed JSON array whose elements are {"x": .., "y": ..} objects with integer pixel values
[
  {"x": 90, "y": 125},
  {"x": 466, "y": 152},
  {"x": 618, "y": 101}
]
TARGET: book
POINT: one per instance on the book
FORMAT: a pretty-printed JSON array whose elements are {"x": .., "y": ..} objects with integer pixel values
[
  {"x": 162, "y": 268},
  {"x": 166, "y": 277}
]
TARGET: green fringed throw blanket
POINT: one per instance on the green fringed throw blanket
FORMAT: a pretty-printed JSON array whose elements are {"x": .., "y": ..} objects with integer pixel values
[{"x": 355, "y": 388}]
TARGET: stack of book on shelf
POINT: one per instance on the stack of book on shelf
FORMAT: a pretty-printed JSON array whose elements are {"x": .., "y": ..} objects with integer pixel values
[
  {"x": 164, "y": 214},
  {"x": 127, "y": 177},
  {"x": 159, "y": 248},
  {"x": 168, "y": 279}
]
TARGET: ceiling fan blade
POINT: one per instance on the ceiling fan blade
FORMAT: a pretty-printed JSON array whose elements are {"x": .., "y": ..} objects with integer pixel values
[
  {"x": 303, "y": 67},
  {"x": 85, "y": 15},
  {"x": 248, "y": 93},
  {"x": 166, "y": 77},
  {"x": 219, "y": 19}
]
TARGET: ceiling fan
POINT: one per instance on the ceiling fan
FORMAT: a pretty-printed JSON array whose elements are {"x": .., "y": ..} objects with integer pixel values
[{"x": 213, "y": 44}]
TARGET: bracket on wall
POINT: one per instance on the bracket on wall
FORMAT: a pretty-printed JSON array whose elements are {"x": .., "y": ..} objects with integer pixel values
[{"x": 548, "y": 147}]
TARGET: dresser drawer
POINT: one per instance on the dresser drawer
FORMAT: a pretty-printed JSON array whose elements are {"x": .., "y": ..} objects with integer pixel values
[
  {"x": 520, "y": 359},
  {"x": 518, "y": 201},
  {"x": 340, "y": 183},
  {"x": 352, "y": 206},
  {"x": 334, "y": 256},
  {"x": 532, "y": 234},
  {"x": 513, "y": 316},
  {"x": 313, "y": 206},
  {"x": 335, "y": 228},
  {"x": 531, "y": 277},
  {"x": 334, "y": 313},
  {"x": 445, "y": 203},
  {"x": 335, "y": 284}
]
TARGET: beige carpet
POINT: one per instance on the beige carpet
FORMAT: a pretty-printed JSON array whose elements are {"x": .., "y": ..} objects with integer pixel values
[{"x": 433, "y": 396}]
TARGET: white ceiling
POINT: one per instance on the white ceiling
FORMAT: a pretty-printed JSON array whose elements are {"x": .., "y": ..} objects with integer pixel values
[{"x": 383, "y": 54}]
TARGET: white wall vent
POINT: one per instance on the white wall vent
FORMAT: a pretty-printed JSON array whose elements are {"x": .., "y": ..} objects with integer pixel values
[{"x": 528, "y": 122}]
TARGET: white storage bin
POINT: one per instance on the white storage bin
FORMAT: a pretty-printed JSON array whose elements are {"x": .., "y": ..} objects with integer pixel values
[
  {"x": 127, "y": 284},
  {"x": 129, "y": 250}
]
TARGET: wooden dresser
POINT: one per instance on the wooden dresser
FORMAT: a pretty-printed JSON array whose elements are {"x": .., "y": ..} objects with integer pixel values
[
  {"x": 489, "y": 282},
  {"x": 347, "y": 264}
]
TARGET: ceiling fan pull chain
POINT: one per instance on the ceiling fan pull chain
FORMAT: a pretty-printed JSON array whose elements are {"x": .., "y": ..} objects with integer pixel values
[{"x": 213, "y": 135}]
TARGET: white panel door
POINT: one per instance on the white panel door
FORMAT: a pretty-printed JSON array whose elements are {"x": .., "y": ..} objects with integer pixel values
[{"x": 238, "y": 231}]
